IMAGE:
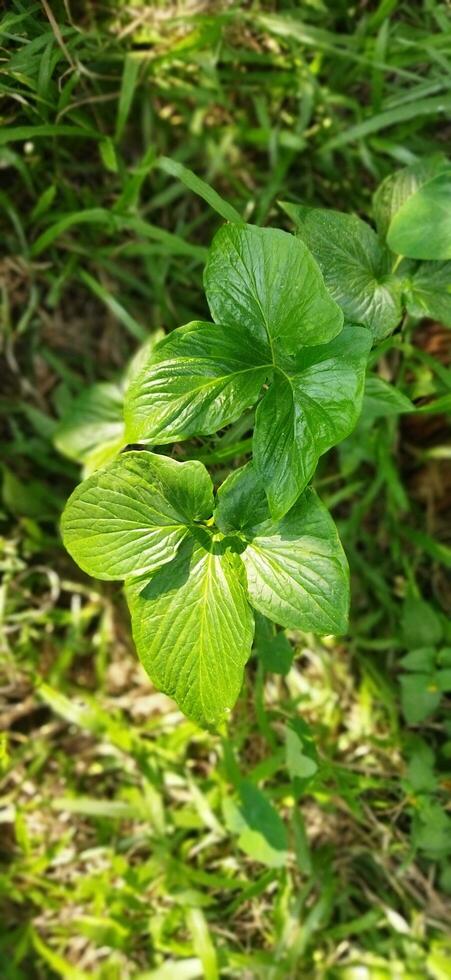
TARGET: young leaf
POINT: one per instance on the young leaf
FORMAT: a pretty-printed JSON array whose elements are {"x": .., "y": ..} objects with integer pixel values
[
  {"x": 311, "y": 405},
  {"x": 421, "y": 229},
  {"x": 131, "y": 516},
  {"x": 193, "y": 630},
  {"x": 355, "y": 266},
  {"x": 266, "y": 282},
  {"x": 296, "y": 569},
  {"x": 93, "y": 419},
  {"x": 201, "y": 377},
  {"x": 398, "y": 187},
  {"x": 428, "y": 292}
]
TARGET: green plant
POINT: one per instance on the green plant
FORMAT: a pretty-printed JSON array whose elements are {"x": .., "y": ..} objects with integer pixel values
[{"x": 297, "y": 345}]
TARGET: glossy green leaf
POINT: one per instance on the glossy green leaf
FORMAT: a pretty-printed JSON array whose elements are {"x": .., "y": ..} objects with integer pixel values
[
  {"x": 421, "y": 229},
  {"x": 355, "y": 265},
  {"x": 265, "y": 281},
  {"x": 198, "y": 379},
  {"x": 131, "y": 516},
  {"x": 428, "y": 292},
  {"x": 398, "y": 187},
  {"x": 297, "y": 572},
  {"x": 311, "y": 405},
  {"x": 193, "y": 630},
  {"x": 93, "y": 420}
]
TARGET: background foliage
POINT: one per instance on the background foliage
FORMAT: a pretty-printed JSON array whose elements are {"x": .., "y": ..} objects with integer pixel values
[{"x": 124, "y": 851}]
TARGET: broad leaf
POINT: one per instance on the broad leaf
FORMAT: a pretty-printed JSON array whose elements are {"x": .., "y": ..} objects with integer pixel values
[
  {"x": 300, "y": 755},
  {"x": 421, "y": 229},
  {"x": 296, "y": 569},
  {"x": 93, "y": 423},
  {"x": 273, "y": 648},
  {"x": 398, "y": 187},
  {"x": 132, "y": 515},
  {"x": 198, "y": 379},
  {"x": 266, "y": 282},
  {"x": 428, "y": 292},
  {"x": 311, "y": 405},
  {"x": 193, "y": 630},
  {"x": 355, "y": 266}
]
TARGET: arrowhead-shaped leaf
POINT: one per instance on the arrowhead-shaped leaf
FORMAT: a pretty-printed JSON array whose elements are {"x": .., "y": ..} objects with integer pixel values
[
  {"x": 132, "y": 515},
  {"x": 266, "y": 281},
  {"x": 297, "y": 572},
  {"x": 311, "y": 405},
  {"x": 193, "y": 629},
  {"x": 421, "y": 229},
  {"x": 428, "y": 292},
  {"x": 355, "y": 265},
  {"x": 198, "y": 379}
]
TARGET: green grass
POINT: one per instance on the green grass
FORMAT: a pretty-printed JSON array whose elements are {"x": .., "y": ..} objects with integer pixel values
[{"x": 119, "y": 857}]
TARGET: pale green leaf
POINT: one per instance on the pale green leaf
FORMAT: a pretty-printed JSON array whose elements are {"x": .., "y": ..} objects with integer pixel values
[
  {"x": 299, "y": 764},
  {"x": 355, "y": 265},
  {"x": 93, "y": 420},
  {"x": 311, "y": 405},
  {"x": 266, "y": 282},
  {"x": 193, "y": 630},
  {"x": 421, "y": 229},
  {"x": 132, "y": 515},
  {"x": 198, "y": 379}
]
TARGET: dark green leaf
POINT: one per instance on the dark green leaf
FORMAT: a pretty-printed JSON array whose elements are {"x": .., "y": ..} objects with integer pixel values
[
  {"x": 311, "y": 405},
  {"x": 355, "y": 265},
  {"x": 421, "y": 627},
  {"x": 265, "y": 281},
  {"x": 262, "y": 834},
  {"x": 419, "y": 697}
]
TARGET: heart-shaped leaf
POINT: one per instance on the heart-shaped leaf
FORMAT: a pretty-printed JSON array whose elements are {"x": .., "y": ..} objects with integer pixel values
[
  {"x": 131, "y": 516},
  {"x": 201, "y": 377},
  {"x": 266, "y": 282}
]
